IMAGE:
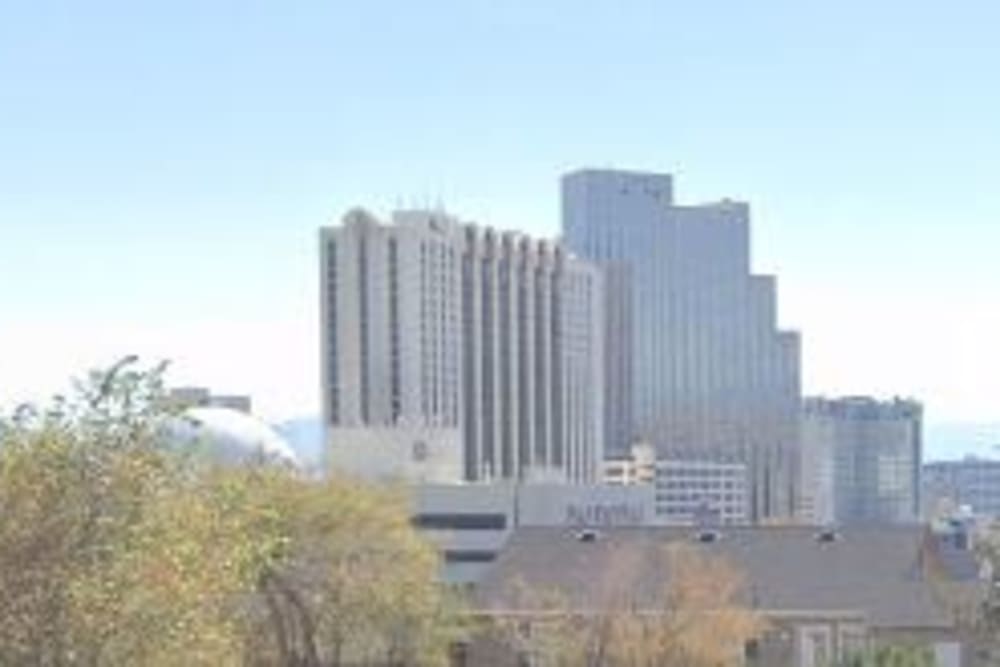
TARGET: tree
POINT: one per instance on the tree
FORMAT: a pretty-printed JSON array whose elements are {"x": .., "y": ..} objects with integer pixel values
[
  {"x": 540, "y": 627},
  {"x": 108, "y": 555},
  {"x": 983, "y": 623},
  {"x": 116, "y": 549},
  {"x": 348, "y": 581},
  {"x": 892, "y": 656},
  {"x": 695, "y": 620}
]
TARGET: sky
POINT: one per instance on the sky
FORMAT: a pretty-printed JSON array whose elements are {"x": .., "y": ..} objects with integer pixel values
[{"x": 165, "y": 166}]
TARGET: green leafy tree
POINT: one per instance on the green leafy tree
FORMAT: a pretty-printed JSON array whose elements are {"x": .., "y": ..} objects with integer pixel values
[
  {"x": 893, "y": 656},
  {"x": 116, "y": 549},
  {"x": 346, "y": 579},
  {"x": 109, "y": 552},
  {"x": 696, "y": 620}
]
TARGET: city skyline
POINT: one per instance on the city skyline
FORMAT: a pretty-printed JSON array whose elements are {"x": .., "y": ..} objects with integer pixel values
[{"x": 165, "y": 203}]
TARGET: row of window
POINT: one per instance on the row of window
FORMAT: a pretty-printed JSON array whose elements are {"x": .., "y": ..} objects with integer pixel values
[
  {"x": 727, "y": 512},
  {"x": 696, "y": 498},
  {"x": 696, "y": 485}
]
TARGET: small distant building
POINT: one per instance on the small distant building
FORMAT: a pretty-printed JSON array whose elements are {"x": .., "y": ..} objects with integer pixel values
[
  {"x": 861, "y": 460},
  {"x": 638, "y": 467},
  {"x": 702, "y": 492},
  {"x": 972, "y": 482},
  {"x": 202, "y": 397},
  {"x": 687, "y": 492}
]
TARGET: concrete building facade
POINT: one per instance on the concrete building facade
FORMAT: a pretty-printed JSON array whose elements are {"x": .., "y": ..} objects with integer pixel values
[
  {"x": 818, "y": 467},
  {"x": 473, "y": 354},
  {"x": 470, "y": 523},
  {"x": 637, "y": 467},
  {"x": 694, "y": 361},
  {"x": 702, "y": 492},
  {"x": 867, "y": 455}
]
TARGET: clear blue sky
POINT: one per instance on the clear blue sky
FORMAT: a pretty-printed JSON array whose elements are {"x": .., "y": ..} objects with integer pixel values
[{"x": 164, "y": 167}]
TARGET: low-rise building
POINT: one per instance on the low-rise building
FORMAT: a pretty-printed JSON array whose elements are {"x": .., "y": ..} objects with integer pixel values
[
  {"x": 702, "y": 492},
  {"x": 687, "y": 491},
  {"x": 470, "y": 523},
  {"x": 638, "y": 467},
  {"x": 824, "y": 595}
]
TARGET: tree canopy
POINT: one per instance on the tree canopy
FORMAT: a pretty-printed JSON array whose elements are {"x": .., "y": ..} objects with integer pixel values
[
  {"x": 696, "y": 620},
  {"x": 116, "y": 549},
  {"x": 892, "y": 656}
]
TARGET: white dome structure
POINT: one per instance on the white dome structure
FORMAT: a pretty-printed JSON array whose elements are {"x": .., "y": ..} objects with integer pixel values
[{"x": 229, "y": 437}]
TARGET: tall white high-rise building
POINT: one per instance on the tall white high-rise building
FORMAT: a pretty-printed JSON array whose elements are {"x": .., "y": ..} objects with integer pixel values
[
  {"x": 694, "y": 360},
  {"x": 455, "y": 352}
]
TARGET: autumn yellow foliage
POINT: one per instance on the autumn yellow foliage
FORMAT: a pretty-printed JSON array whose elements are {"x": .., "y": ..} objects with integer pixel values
[
  {"x": 698, "y": 619},
  {"x": 118, "y": 550}
]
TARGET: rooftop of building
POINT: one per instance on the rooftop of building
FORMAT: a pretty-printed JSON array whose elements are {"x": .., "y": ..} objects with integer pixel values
[
  {"x": 862, "y": 407},
  {"x": 441, "y": 221},
  {"x": 658, "y": 185},
  {"x": 881, "y": 572},
  {"x": 967, "y": 461},
  {"x": 613, "y": 173}
]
